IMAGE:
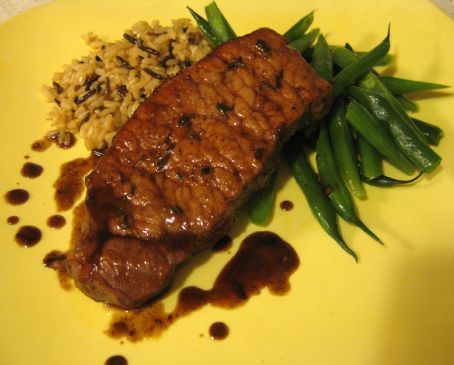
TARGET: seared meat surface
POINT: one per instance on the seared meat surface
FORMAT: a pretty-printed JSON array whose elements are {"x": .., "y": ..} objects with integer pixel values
[{"x": 177, "y": 172}]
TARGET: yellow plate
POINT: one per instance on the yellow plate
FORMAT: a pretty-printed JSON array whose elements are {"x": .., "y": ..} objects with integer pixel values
[{"x": 395, "y": 307}]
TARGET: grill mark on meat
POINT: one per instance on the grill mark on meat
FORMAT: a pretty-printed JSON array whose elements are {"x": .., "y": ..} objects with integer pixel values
[
  {"x": 224, "y": 108},
  {"x": 255, "y": 76},
  {"x": 217, "y": 151},
  {"x": 177, "y": 172}
]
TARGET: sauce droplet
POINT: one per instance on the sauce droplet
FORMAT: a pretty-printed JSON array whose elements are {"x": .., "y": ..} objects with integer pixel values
[
  {"x": 327, "y": 189},
  {"x": 13, "y": 220},
  {"x": 41, "y": 144},
  {"x": 223, "y": 244},
  {"x": 116, "y": 360},
  {"x": 219, "y": 331},
  {"x": 28, "y": 236},
  {"x": 56, "y": 221},
  {"x": 31, "y": 170},
  {"x": 286, "y": 205},
  {"x": 17, "y": 196}
]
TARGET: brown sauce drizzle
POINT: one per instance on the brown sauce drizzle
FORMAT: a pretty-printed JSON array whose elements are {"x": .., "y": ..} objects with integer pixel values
[
  {"x": 31, "y": 170},
  {"x": 219, "y": 331},
  {"x": 224, "y": 244},
  {"x": 17, "y": 196},
  {"x": 55, "y": 260},
  {"x": 28, "y": 236},
  {"x": 286, "y": 205},
  {"x": 12, "y": 220},
  {"x": 116, "y": 360},
  {"x": 56, "y": 221},
  {"x": 41, "y": 145},
  {"x": 70, "y": 184},
  {"x": 66, "y": 141},
  {"x": 263, "y": 260}
]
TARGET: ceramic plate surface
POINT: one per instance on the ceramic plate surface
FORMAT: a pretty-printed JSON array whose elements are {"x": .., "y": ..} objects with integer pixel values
[{"x": 396, "y": 306}]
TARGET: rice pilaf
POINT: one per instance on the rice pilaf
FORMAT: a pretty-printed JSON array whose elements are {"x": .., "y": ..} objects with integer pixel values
[{"x": 95, "y": 95}]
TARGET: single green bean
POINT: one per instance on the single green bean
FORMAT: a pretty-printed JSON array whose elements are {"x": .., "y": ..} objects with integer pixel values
[
  {"x": 299, "y": 28},
  {"x": 261, "y": 203},
  {"x": 322, "y": 59},
  {"x": 305, "y": 41},
  {"x": 205, "y": 28},
  {"x": 342, "y": 143},
  {"x": 384, "y": 181},
  {"x": 376, "y": 134},
  {"x": 407, "y": 104},
  {"x": 338, "y": 192},
  {"x": 318, "y": 202},
  {"x": 384, "y": 61},
  {"x": 371, "y": 160},
  {"x": 360, "y": 66},
  {"x": 219, "y": 23},
  {"x": 432, "y": 132},
  {"x": 410, "y": 143},
  {"x": 399, "y": 86}
]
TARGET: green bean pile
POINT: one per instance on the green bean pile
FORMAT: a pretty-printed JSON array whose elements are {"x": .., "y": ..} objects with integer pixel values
[{"x": 368, "y": 123}]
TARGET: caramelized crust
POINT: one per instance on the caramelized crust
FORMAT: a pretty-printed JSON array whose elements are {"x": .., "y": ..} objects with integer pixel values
[{"x": 177, "y": 172}]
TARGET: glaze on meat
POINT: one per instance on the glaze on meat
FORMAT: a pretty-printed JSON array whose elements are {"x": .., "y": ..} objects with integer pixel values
[{"x": 177, "y": 172}]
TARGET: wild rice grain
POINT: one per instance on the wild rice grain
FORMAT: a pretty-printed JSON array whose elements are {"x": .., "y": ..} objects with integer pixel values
[
  {"x": 57, "y": 87},
  {"x": 149, "y": 50},
  {"x": 153, "y": 74},
  {"x": 123, "y": 62},
  {"x": 84, "y": 97},
  {"x": 90, "y": 80},
  {"x": 122, "y": 90},
  {"x": 130, "y": 38}
]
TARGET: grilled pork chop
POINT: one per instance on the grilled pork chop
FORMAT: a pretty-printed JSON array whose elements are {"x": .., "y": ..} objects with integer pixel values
[{"x": 175, "y": 175}]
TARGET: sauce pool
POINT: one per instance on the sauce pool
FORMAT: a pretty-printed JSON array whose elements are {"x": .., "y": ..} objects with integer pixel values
[{"x": 263, "y": 260}]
